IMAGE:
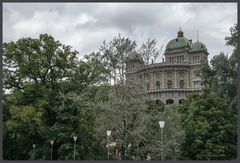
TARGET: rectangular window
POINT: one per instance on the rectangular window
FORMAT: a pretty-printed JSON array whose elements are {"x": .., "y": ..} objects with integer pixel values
[{"x": 196, "y": 84}]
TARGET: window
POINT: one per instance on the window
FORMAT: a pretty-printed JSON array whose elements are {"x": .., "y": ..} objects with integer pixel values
[
  {"x": 159, "y": 94},
  {"x": 169, "y": 84},
  {"x": 196, "y": 84},
  {"x": 158, "y": 84},
  {"x": 181, "y": 58},
  {"x": 181, "y": 84},
  {"x": 196, "y": 58},
  {"x": 148, "y": 86}
]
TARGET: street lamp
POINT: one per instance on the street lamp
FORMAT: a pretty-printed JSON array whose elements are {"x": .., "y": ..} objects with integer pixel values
[
  {"x": 52, "y": 141},
  {"x": 161, "y": 124},
  {"x": 75, "y": 139},
  {"x": 148, "y": 156},
  {"x": 108, "y": 134},
  {"x": 34, "y": 146}
]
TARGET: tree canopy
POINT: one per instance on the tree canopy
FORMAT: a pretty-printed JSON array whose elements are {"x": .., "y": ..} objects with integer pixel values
[{"x": 52, "y": 94}]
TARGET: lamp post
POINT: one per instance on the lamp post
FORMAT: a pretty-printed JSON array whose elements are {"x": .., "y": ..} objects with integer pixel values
[
  {"x": 161, "y": 124},
  {"x": 108, "y": 134},
  {"x": 148, "y": 156},
  {"x": 51, "y": 142},
  {"x": 34, "y": 146},
  {"x": 75, "y": 139}
]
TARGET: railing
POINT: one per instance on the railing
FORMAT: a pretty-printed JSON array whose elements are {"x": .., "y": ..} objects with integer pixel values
[
  {"x": 167, "y": 63},
  {"x": 173, "y": 89}
]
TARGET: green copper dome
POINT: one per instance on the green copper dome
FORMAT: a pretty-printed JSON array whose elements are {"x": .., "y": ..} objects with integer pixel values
[
  {"x": 198, "y": 46},
  {"x": 179, "y": 42},
  {"x": 133, "y": 56}
]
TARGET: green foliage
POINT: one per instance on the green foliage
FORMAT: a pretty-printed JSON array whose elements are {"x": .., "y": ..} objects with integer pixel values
[
  {"x": 45, "y": 81},
  {"x": 172, "y": 133},
  {"x": 134, "y": 125},
  {"x": 210, "y": 126},
  {"x": 42, "y": 61},
  {"x": 209, "y": 119},
  {"x": 221, "y": 76},
  {"x": 233, "y": 39},
  {"x": 54, "y": 96}
]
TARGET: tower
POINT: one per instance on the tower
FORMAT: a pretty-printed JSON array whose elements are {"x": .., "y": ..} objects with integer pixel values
[{"x": 134, "y": 62}]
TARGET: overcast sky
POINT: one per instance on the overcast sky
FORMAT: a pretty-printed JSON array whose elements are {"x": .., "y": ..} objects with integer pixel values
[{"x": 84, "y": 26}]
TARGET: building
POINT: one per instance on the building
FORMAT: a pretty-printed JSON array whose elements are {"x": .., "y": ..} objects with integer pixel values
[{"x": 174, "y": 78}]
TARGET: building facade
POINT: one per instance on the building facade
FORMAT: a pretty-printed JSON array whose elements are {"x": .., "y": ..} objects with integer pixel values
[{"x": 174, "y": 78}]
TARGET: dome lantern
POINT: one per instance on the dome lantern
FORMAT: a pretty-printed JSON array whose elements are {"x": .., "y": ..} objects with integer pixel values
[{"x": 180, "y": 33}]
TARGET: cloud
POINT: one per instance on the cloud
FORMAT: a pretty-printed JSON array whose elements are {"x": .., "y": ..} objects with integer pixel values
[{"x": 84, "y": 26}]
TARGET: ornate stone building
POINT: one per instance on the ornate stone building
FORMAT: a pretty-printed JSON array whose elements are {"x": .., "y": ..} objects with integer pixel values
[{"x": 174, "y": 78}]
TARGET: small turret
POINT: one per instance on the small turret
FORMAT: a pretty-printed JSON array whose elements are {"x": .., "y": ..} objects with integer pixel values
[{"x": 134, "y": 62}]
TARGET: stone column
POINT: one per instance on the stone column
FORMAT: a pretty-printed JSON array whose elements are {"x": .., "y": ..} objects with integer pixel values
[
  {"x": 153, "y": 80},
  {"x": 187, "y": 80},
  {"x": 175, "y": 78},
  {"x": 163, "y": 79}
]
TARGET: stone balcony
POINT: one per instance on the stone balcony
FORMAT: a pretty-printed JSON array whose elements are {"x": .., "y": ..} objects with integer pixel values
[{"x": 174, "y": 90}]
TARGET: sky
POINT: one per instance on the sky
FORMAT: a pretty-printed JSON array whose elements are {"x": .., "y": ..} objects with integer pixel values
[{"x": 85, "y": 26}]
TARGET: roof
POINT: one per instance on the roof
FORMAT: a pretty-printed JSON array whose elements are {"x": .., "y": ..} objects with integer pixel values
[
  {"x": 198, "y": 46},
  {"x": 182, "y": 42}
]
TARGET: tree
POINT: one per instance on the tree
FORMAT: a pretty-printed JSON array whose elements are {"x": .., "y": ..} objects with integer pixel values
[
  {"x": 125, "y": 111},
  {"x": 121, "y": 114},
  {"x": 39, "y": 61},
  {"x": 38, "y": 75},
  {"x": 173, "y": 133},
  {"x": 134, "y": 124},
  {"x": 221, "y": 75},
  {"x": 210, "y": 128},
  {"x": 149, "y": 52},
  {"x": 113, "y": 55},
  {"x": 204, "y": 134}
]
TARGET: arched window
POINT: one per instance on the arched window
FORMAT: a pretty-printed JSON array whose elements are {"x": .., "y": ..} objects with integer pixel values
[
  {"x": 169, "y": 84},
  {"x": 169, "y": 101},
  {"x": 181, "y": 84},
  {"x": 181, "y": 101},
  {"x": 157, "y": 84}
]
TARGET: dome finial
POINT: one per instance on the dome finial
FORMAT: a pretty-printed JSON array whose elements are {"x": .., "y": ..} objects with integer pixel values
[{"x": 180, "y": 32}]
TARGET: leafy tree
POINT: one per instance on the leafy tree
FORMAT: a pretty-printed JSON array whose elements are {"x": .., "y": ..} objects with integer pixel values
[
  {"x": 149, "y": 52},
  {"x": 38, "y": 73},
  {"x": 113, "y": 55},
  {"x": 209, "y": 126},
  {"x": 134, "y": 125},
  {"x": 221, "y": 75},
  {"x": 40, "y": 61},
  {"x": 209, "y": 119},
  {"x": 173, "y": 133}
]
